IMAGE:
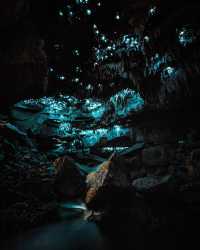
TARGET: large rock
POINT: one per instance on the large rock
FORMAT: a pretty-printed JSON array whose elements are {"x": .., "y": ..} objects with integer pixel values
[
  {"x": 151, "y": 183},
  {"x": 69, "y": 182},
  {"x": 154, "y": 156},
  {"x": 107, "y": 187},
  {"x": 12, "y": 132}
]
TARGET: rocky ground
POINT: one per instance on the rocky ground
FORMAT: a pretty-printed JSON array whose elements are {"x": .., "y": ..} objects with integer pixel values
[
  {"x": 26, "y": 179},
  {"x": 153, "y": 183}
]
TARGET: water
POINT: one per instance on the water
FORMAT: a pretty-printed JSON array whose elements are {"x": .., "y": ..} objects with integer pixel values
[
  {"x": 76, "y": 234},
  {"x": 79, "y": 234}
]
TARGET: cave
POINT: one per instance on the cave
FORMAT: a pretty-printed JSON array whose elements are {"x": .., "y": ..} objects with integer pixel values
[{"x": 99, "y": 124}]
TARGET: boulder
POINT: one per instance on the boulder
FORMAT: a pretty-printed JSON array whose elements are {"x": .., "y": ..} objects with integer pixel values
[
  {"x": 12, "y": 132},
  {"x": 154, "y": 156},
  {"x": 151, "y": 183},
  {"x": 69, "y": 182},
  {"x": 107, "y": 187}
]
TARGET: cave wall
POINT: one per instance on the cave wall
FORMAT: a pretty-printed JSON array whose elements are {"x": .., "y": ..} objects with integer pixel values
[
  {"x": 23, "y": 61},
  {"x": 25, "y": 26},
  {"x": 164, "y": 67}
]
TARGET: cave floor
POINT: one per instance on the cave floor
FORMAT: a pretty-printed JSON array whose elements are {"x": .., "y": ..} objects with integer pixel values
[
  {"x": 74, "y": 234},
  {"x": 79, "y": 234},
  {"x": 89, "y": 138}
]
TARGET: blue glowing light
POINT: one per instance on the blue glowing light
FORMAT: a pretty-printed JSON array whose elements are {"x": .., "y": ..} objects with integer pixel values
[
  {"x": 61, "y": 13},
  {"x": 82, "y": 1},
  {"x": 169, "y": 73},
  {"x": 96, "y": 108},
  {"x": 88, "y": 12},
  {"x": 147, "y": 39},
  {"x": 59, "y": 116},
  {"x": 76, "y": 80},
  {"x": 62, "y": 78},
  {"x": 103, "y": 38},
  {"x": 152, "y": 11},
  {"x": 126, "y": 44},
  {"x": 76, "y": 52},
  {"x": 92, "y": 137},
  {"x": 126, "y": 101},
  {"x": 78, "y": 69},
  {"x": 114, "y": 149},
  {"x": 130, "y": 42},
  {"x": 89, "y": 87},
  {"x": 157, "y": 62},
  {"x": 170, "y": 70},
  {"x": 186, "y": 36},
  {"x": 117, "y": 17}
]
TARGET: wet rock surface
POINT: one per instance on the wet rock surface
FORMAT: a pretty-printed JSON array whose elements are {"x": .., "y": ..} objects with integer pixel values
[{"x": 104, "y": 184}]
